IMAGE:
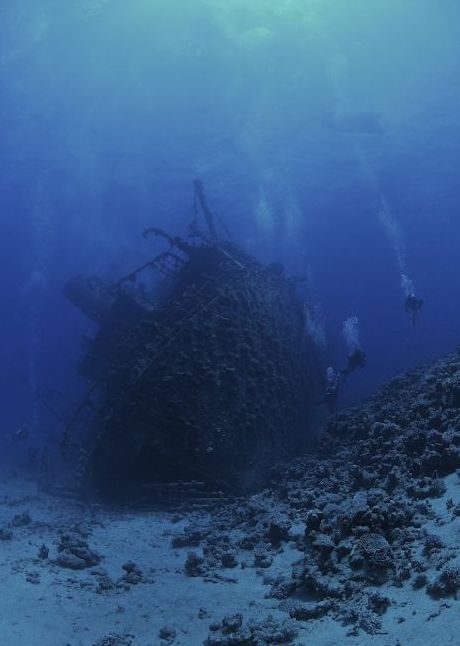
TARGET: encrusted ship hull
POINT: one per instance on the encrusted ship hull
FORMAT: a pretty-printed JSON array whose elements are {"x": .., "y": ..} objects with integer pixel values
[{"x": 214, "y": 384}]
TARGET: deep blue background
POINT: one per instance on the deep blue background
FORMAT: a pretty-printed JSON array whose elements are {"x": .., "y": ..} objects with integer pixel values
[{"x": 109, "y": 109}]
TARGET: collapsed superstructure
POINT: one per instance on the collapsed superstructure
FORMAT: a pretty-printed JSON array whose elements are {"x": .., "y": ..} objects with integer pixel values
[{"x": 213, "y": 382}]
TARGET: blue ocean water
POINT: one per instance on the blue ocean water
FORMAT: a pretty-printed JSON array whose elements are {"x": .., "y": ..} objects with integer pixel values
[{"x": 326, "y": 134}]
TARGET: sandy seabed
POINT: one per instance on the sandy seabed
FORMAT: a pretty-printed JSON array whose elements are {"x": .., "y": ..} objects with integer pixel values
[{"x": 48, "y": 602}]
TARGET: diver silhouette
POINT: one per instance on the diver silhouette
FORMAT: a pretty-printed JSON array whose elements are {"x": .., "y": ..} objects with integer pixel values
[
  {"x": 355, "y": 360},
  {"x": 336, "y": 380},
  {"x": 413, "y": 305},
  {"x": 334, "y": 383}
]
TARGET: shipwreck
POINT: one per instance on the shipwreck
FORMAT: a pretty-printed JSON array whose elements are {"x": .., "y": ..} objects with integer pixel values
[{"x": 210, "y": 380}]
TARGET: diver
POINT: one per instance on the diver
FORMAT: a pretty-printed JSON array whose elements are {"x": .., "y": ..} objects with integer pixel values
[
  {"x": 356, "y": 357},
  {"x": 334, "y": 382},
  {"x": 355, "y": 360},
  {"x": 413, "y": 305}
]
